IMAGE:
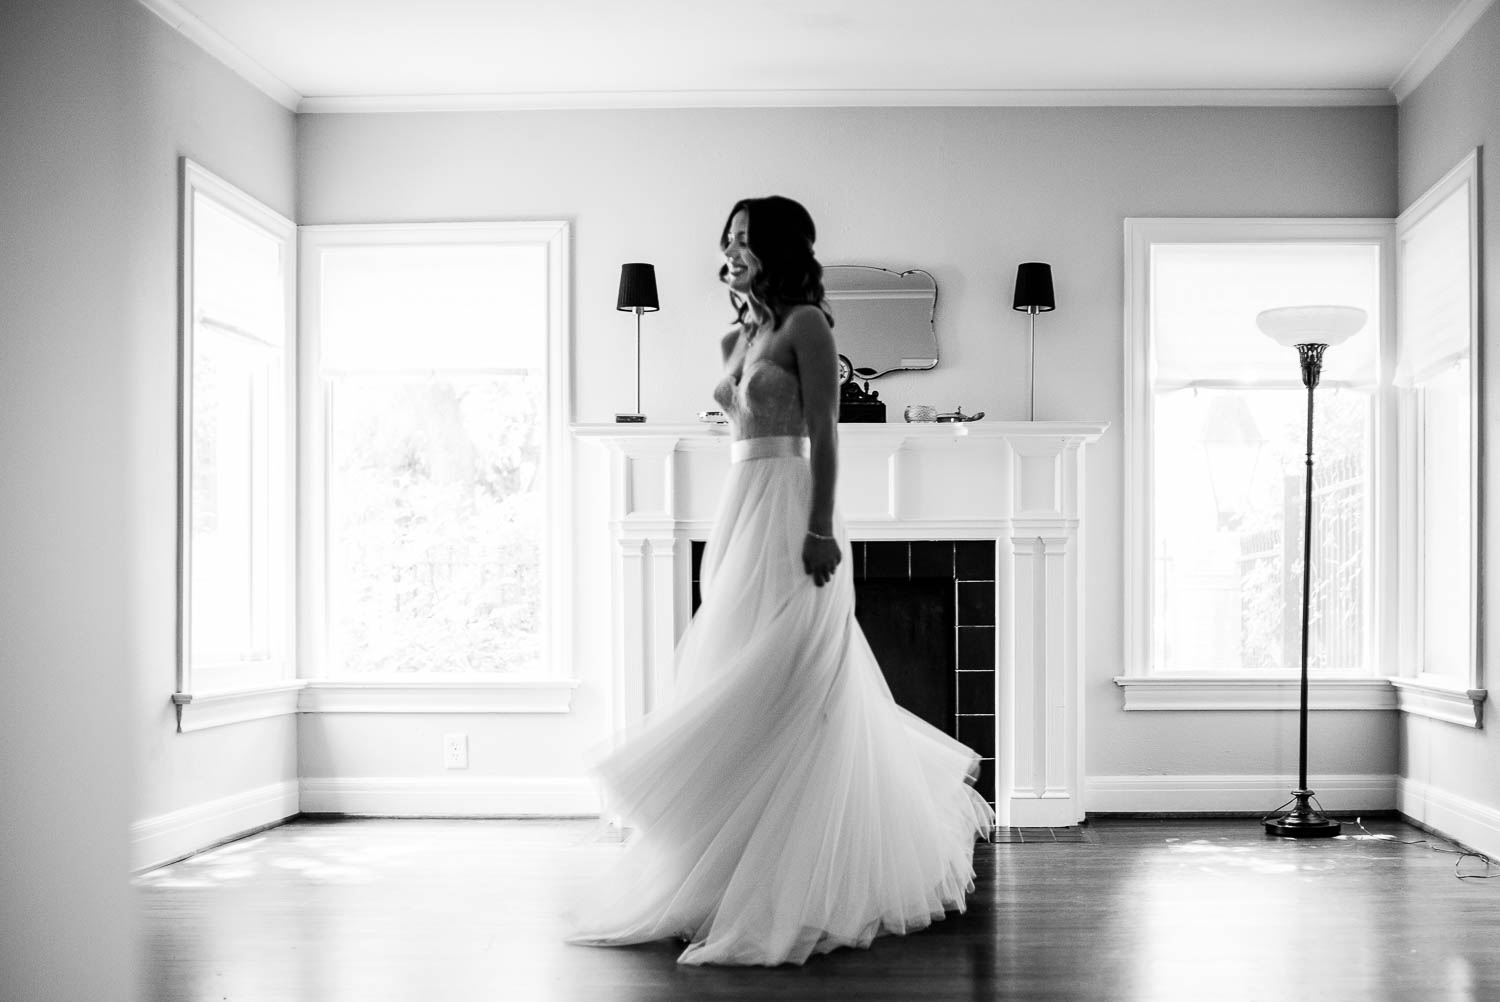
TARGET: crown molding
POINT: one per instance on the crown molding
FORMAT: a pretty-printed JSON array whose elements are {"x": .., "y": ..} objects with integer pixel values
[
  {"x": 1436, "y": 49},
  {"x": 872, "y": 98},
  {"x": 195, "y": 30},
  {"x": 191, "y": 27}
]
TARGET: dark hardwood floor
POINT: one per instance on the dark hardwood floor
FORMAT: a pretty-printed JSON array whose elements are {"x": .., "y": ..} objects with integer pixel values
[{"x": 430, "y": 911}]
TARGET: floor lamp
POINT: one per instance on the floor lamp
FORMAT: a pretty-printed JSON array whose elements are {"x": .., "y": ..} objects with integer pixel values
[
  {"x": 1311, "y": 330},
  {"x": 1033, "y": 296},
  {"x": 638, "y": 295}
]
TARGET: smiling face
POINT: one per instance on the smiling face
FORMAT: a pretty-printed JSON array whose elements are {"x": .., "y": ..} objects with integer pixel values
[{"x": 740, "y": 263}]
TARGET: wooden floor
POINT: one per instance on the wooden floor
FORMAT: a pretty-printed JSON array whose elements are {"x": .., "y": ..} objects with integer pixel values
[{"x": 430, "y": 911}]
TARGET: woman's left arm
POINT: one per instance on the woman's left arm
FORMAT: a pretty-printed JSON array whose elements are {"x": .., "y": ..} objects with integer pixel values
[{"x": 817, "y": 370}]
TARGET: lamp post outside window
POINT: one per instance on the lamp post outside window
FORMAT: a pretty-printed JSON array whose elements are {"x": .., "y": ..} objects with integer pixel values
[{"x": 1232, "y": 444}]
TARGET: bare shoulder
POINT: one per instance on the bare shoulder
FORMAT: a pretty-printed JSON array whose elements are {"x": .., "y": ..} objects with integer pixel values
[
  {"x": 806, "y": 326},
  {"x": 728, "y": 341}
]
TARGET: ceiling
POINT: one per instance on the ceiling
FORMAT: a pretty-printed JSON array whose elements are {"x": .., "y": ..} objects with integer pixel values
[{"x": 352, "y": 55}]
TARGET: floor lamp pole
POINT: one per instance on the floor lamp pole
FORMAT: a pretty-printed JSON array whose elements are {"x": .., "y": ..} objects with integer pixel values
[{"x": 1303, "y": 820}]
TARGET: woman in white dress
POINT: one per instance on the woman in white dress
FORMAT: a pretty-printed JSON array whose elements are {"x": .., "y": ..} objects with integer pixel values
[{"x": 781, "y": 804}]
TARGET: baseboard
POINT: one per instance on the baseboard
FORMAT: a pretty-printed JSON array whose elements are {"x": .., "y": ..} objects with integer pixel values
[
  {"x": 1459, "y": 819},
  {"x": 1233, "y": 794},
  {"x": 178, "y": 834},
  {"x": 563, "y": 797}
]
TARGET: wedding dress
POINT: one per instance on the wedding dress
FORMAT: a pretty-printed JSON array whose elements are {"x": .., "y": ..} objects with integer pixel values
[{"x": 782, "y": 804}]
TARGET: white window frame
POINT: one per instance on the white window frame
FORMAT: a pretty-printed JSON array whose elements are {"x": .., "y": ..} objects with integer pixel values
[
  {"x": 1142, "y": 688},
  {"x": 209, "y": 696},
  {"x": 1458, "y": 699},
  {"x": 550, "y": 692}
]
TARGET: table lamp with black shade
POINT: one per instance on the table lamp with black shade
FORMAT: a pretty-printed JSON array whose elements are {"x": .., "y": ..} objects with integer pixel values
[
  {"x": 1033, "y": 296},
  {"x": 1311, "y": 330},
  {"x": 638, "y": 295}
]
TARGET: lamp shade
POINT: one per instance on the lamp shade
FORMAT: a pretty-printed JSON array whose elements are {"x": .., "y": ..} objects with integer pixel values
[
  {"x": 1034, "y": 288},
  {"x": 637, "y": 288},
  {"x": 1294, "y": 325}
]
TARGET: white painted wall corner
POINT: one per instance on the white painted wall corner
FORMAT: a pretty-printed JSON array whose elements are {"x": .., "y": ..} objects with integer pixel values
[{"x": 1466, "y": 821}]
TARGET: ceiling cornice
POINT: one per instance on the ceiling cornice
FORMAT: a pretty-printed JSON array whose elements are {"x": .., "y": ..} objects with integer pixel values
[
  {"x": 600, "y": 100},
  {"x": 211, "y": 41},
  {"x": 1438, "y": 46},
  {"x": 191, "y": 27}
]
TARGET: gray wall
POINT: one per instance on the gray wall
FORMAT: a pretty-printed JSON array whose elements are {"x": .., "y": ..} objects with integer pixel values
[
  {"x": 186, "y": 104},
  {"x": 1454, "y": 110},
  {"x": 966, "y": 194},
  {"x": 98, "y": 98},
  {"x": 68, "y": 639}
]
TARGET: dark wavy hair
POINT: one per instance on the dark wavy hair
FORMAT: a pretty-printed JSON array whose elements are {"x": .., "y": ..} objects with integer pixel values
[{"x": 780, "y": 233}]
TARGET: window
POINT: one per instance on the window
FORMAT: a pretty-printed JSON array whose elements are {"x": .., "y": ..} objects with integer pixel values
[
  {"x": 235, "y": 586},
  {"x": 436, "y": 417},
  {"x": 1437, "y": 275},
  {"x": 1216, "y": 432}
]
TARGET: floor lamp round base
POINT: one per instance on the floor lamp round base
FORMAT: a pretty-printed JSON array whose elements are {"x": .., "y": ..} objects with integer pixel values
[{"x": 1302, "y": 821}]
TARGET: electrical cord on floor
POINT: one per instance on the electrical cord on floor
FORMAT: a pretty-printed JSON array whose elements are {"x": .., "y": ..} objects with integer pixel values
[
  {"x": 1289, "y": 803},
  {"x": 1277, "y": 813},
  {"x": 1461, "y": 853}
]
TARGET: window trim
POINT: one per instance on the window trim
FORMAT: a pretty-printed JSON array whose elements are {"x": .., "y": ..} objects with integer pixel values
[
  {"x": 500, "y": 695},
  {"x": 195, "y": 179},
  {"x": 1457, "y": 700},
  {"x": 1196, "y": 690},
  {"x": 236, "y": 706},
  {"x": 414, "y": 693},
  {"x": 200, "y": 711},
  {"x": 1278, "y": 691}
]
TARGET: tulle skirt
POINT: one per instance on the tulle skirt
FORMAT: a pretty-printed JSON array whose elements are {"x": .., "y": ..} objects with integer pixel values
[{"x": 781, "y": 804}]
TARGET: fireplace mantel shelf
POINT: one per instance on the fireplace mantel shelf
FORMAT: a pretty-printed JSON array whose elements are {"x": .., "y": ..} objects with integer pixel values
[{"x": 715, "y": 434}]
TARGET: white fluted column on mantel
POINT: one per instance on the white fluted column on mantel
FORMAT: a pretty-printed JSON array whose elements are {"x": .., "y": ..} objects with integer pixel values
[{"x": 1019, "y": 483}]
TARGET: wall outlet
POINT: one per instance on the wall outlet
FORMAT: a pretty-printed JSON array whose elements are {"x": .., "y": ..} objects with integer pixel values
[{"x": 455, "y": 751}]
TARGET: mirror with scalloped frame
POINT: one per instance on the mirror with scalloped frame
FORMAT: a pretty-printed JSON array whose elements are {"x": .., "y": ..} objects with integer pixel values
[{"x": 884, "y": 320}]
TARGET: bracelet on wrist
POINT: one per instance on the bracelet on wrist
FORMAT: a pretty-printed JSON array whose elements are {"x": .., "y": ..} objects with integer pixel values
[{"x": 819, "y": 535}]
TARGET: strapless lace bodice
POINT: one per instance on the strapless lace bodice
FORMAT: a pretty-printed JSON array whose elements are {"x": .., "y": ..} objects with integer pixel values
[{"x": 765, "y": 400}]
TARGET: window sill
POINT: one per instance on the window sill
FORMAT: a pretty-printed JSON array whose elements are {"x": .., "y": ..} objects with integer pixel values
[
  {"x": 1241, "y": 692},
  {"x": 1440, "y": 701},
  {"x": 546, "y": 695},
  {"x": 197, "y": 711}
]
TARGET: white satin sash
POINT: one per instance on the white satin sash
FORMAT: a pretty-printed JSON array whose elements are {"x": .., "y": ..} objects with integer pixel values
[{"x": 768, "y": 447}]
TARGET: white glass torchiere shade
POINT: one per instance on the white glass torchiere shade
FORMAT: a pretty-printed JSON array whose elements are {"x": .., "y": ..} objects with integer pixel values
[{"x": 1294, "y": 325}]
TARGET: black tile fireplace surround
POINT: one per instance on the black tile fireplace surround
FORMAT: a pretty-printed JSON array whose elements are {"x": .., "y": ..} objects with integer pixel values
[{"x": 927, "y": 608}]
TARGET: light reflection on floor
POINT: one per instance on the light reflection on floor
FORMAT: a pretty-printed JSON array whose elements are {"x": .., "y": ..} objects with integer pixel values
[{"x": 1210, "y": 911}]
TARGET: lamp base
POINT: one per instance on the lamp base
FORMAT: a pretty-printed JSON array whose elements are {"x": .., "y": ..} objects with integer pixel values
[
  {"x": 1302, "y": 821},
  {"x": 630, "y": 419}
]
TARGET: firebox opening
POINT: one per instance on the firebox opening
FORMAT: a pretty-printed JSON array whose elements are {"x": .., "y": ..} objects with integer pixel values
[{"x": 927, "y": 607}]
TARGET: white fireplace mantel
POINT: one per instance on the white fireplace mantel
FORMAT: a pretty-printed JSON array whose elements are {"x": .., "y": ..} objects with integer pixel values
[{"x": 1019, "y": 483}]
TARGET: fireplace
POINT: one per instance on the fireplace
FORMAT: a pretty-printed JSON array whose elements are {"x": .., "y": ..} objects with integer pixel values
[
  {"x": 927, "y": 607},
  {"x": 972, "y": 534}
]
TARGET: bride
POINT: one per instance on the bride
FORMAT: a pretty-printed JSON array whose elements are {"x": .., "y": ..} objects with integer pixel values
[{"x": 782, "y": 804}]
